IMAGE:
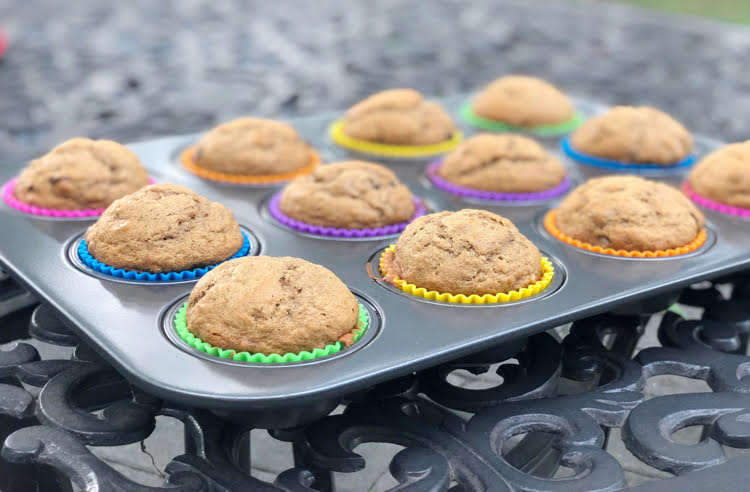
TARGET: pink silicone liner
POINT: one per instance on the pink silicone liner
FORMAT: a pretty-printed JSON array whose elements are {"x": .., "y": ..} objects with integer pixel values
[
  {"x": 17, "y": 204},
  {"x": 712, "y": 205}
]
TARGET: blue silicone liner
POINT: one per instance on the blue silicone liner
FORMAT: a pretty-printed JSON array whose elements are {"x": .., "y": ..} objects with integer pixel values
[
  {"x": 591, "y": 160},
  {"x": 96, "y": 265}
]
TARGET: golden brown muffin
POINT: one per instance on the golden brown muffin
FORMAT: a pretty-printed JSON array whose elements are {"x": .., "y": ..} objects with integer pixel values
[
  {"x": 164, "y": 228},
  {"x": 81, "y": 174},
  {"x": 398, "y": 117},
  {"x": 520, "y": 100},
  {"x": 349, "y": 194},
  {"x": 252, "y": 146},
  {"x": 504, "y": 163},
  {"x": 466, "y": 252},
  {"x": 634, "y": 134},
  {"x": 724, "y": 175},
  {"x": 629, "y": 213},
  {"x": 270, "y": 305}
]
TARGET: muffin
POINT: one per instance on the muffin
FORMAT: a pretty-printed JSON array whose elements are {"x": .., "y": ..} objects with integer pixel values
[
  {"x": 164, "y": 228},
  {"x": 465, "y": 252},
  {"x": 629, "y": 213},
  {"x": 638, "y": 135},
  {"x": 350, "y": 194},
  {"x": 724, "y": 175},
  {"x": 398, "y": 117},
  {"x": 252, "y": 147},
  {"x": 81, "y": 174},
  {"x": 523, "y": 101},
  {"x": 271, "y": 305},
  {"x": 502, "y": 163}
]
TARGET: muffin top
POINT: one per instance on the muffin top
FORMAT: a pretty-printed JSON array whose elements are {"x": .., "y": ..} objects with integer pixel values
[
  {"x": 252, "y": 146},
  {"x": 466, "y": 252},
  {"x": 398, "y": 117},
  {"x": 629, "y": 213},
  {"x": 349, "y": 194},
  {"x": 270, "y": 305},
  {"x": 162, "y": 228},
  {"x": 81, "y": 174},
  {"x": 634, "y": 134},
  {"x": 520, "y": 100},
  {"x": 504, "y": 163},
  {"x": 724, "y": 175}
]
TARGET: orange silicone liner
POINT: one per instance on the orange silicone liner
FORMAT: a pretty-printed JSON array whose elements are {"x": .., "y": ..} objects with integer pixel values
[
  {"x": 188, "y": 161},
  {"x": 548, "y": 273},
  {"x": 551, "y": 226}
]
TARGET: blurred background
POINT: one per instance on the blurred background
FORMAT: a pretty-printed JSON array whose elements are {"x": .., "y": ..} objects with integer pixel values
[{"x": 137, "y": 69}]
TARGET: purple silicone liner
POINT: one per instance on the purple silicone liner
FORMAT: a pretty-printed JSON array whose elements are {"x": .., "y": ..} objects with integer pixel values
[
  {"x": 275, "y": 209},
  {"x": 713, "y": 205},
  {"x": 13, "y": 202},
  {"x": 497, "y": 196}
]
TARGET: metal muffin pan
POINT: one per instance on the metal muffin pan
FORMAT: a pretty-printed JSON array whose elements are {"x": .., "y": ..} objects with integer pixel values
[{"x": 125, "y": 322}]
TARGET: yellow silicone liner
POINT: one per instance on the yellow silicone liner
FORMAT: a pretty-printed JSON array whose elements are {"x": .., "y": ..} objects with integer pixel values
[
  {"x": 548, "y": 273},
  {"x": 188, "y": 161},
  {"x": 551, "y": 226},
  {"x": 336, "y": 130}
]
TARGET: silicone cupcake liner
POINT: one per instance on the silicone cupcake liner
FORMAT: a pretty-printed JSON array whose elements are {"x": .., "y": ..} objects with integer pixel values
[
  {"x": 336, "y": 131},
  {"x": 275, "y": 210},
  {"x": 188, "y": 162},
  {"x": 180, "y": 326},
  {"x": 551, "y": 226},
  {"x": 548, "y": 273},
  {"x": 96, "y": 265},
  {"x": 548, "y": 130},
  {"x": 13, "y": 202},
  {"x": 447, "y": 186},
  {"x": 591, "y": 160},
  {"x": 713, "y": 205}
]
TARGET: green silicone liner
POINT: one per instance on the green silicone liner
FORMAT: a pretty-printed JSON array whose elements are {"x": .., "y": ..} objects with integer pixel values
[
  {"x": 555, "y": 129},
  {"x": 180, "y": 326}
]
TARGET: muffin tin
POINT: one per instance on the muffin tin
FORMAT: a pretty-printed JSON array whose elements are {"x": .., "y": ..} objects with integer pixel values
[{"x": 128, "y": 322}]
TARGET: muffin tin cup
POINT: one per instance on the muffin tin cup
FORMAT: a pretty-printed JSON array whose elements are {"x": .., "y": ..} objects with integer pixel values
[
  {"x": 188, "y": 162},
  {"x": 336, "y": 132},
  {"x": 386, "y": 261},
  {"x": 611, "y": 164},
  {"x": 550, "y": 226},
  {"x": 274, "y": 209},
  {"x": 179, "y": 325},
  {"x": 547, "y": 130},
  {"x": 714, "y": 205},
  {"x": 10, "y": 199},
  {"x": 495, "y": 196},
  {"x": 96, "y": 266}
]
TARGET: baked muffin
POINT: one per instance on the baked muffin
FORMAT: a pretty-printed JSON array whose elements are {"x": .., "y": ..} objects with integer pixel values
[
  {"x": 502, "y": 163},
  {"x": 164, "y": 228},
  {"x": 724, "y": 175},
  {"x": 270, "y": 305},
  {"x": 398, "y": 117},
  {"x": 641, "y": 135},
  {"x": 81, "y": 174},
  {"x": 251, "y": 147},
  {"x": 523, "y": 101},
  {"x": 629, "y": 213},
  {"x": 349, "y": 194},
  {"x": 465, "y": 252}
]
